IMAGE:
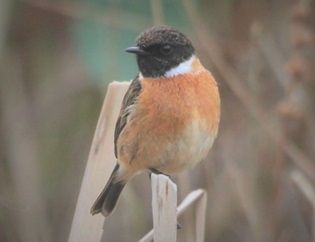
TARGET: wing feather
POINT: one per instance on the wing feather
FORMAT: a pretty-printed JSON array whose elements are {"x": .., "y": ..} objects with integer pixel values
[{"x": 129, "y": 101}]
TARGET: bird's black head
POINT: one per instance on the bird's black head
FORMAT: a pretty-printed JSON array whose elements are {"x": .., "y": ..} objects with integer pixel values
[{"x": 159, "y": 49}]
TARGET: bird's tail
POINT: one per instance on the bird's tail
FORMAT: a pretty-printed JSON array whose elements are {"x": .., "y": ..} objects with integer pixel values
[{"x": 107, "y": 200}]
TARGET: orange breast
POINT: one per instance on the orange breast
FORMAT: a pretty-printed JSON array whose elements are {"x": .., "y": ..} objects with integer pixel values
[{"x": 158, "y": 133}]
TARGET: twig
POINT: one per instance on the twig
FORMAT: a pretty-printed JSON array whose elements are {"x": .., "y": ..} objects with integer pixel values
[
  {"x": 274, "y": 59},
  {"x": 308, "y": 191}
]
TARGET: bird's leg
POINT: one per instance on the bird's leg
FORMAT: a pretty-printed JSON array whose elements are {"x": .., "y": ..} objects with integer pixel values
[
  {"x": 155, "y": 171},
  {"x": 178, "y": 225}
]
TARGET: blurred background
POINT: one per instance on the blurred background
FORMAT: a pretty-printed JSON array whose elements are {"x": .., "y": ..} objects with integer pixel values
[{"x": 56, "y": 60}]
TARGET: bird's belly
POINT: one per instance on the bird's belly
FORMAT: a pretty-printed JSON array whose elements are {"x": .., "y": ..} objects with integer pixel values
[
  {"x": 186, "y": 150},
  {"x": 168, "y": 152}
]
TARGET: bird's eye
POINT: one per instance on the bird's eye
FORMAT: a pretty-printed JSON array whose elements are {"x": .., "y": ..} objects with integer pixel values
[{"x": 166, "y": 49}]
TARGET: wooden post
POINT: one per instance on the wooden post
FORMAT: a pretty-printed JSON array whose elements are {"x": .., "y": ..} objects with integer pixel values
[
  {"x": 101, "y": 162},
  {"x": 164, "y": 206}
]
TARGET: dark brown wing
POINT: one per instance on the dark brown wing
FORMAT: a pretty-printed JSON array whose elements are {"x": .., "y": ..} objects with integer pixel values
[{"x": 129, "y": 100}]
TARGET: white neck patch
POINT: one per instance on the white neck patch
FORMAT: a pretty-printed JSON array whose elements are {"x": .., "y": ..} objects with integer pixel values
[
  {"x": 140, "y": 76},
  {"x": 181, "y": 69}
]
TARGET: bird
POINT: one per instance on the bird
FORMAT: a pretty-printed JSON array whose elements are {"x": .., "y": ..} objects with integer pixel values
[{"x": 169, "y": 116}]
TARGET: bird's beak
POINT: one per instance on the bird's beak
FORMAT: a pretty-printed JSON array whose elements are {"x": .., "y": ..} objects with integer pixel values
[{"x": 136, "y": 50}]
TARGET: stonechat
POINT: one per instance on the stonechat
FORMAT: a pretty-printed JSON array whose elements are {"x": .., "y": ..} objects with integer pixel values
[{"x": 169, "y": 116}]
